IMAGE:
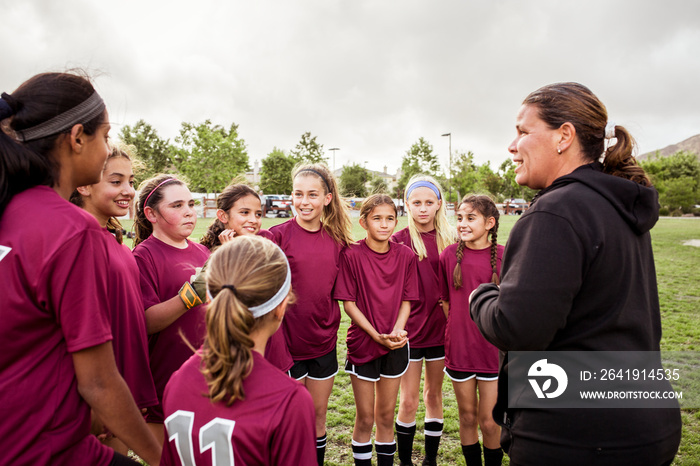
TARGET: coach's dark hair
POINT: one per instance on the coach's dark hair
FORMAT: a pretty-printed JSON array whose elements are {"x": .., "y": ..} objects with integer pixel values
[
  {"x": 24, "y": 165},
  {"x": 228, "y": 197},
  {"x": 485, "y": 206},
  {"x": 143, "y": 228},
  {"x": 242, "y": 273},
  {"x": 574, "y": 103}
]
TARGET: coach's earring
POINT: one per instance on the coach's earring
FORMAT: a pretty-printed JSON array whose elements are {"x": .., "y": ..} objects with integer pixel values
[{"x": 558, "y": 150}]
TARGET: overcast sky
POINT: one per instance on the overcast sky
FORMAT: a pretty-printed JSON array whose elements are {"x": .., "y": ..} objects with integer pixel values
[{"x": 367, "y": 76}]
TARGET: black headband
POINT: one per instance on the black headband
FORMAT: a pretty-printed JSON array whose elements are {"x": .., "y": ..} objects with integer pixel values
[{"x": 328, "y": 186}]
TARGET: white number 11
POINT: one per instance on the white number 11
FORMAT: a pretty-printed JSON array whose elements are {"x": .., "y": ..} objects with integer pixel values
[{"x": 215, "y": 435}]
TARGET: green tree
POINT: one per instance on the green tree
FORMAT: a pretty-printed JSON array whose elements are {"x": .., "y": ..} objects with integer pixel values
[
  {"x": 308, "y": 150},
  {"x": 511, "y": 189},
  {"x": 378, "y": 185},
  {"x": 276, "y": 172},
  {"x": 465, "y": 176},
  {"x": 676, "y": 178},
  {"x": 352, "y": 181},
  {"x": 151, "y": 150},
  {"x": 209, "y": 156},
  {"x": 418, "y": 159}
]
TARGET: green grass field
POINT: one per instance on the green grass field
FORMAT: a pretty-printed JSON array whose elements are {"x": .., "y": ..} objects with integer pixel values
[{"x": 679, "y": 292}]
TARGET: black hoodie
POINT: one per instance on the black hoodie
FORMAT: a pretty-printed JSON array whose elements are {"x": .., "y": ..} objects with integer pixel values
[{"x": 578, "y": 275}]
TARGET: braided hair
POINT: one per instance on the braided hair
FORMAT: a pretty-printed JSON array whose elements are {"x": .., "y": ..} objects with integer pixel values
[{"x": 487, "y": 208}]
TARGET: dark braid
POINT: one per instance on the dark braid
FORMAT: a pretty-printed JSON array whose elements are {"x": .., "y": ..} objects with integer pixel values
[
  {"x": 494, "y": 254},
  {"x": 457, "y": 275}
]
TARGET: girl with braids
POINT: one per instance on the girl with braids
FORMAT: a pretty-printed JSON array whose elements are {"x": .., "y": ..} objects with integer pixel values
[
  {"x": 111, "y": 198},
  {"x": 578, "y": 275},
  {"x": 239, "y": 213},
  {"x": 471, "y": 362},
  {"x": 168, "y": 262},
  {"x": 227, "y": 404},
  {"x": 428, "y": 234},
  {"x": 312, "y": 242},
  {"x": 57, "y": 361}
]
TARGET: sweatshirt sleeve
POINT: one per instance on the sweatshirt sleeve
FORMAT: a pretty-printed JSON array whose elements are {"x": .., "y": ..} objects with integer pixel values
[{"x": 542, "y": 274}]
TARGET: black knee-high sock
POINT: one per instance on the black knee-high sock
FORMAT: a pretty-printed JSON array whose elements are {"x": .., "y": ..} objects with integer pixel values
[
  {"x": 404, "y": 438},
  {"x": 385, "y": 453},
  {"x": 493, "y": 456},
  {"x": 321, "y": 449},
  {"x": 433, "y": 433},
  {"x": 472, "y": 454},
  {"x": 362, "y": 453}
]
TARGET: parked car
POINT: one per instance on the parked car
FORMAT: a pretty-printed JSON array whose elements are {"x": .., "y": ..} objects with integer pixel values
[
  {"x": 278, "y": 204},
  {"x": 515, "y": 206}
]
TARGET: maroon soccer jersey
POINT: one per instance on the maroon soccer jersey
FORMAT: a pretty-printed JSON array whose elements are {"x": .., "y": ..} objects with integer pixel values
[
  {"x": 273, "y": 425},
  {"x": 426, "y": 324},
  {"x": 164, "y": 269},
  {"x": 54, "y": 269},
  {"x": 377, "y": 283},
  {"x": 311, "y": 323},
  {"x": 466, "y": 350},
  {"x": 128, "y": 323}
]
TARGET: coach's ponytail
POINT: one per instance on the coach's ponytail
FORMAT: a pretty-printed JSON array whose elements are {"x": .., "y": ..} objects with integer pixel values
[{"x": 241, "y": 274}]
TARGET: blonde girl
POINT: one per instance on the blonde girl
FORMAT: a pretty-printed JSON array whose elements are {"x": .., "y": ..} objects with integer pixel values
[
  {"x": 312, "y": 241},
  {"x": 428, "y": 233},
  {"x": 470, "y": 361},
  {"x": 377, "y": 282},
  {"x": 168, "y": 262},
  {"x": 227, "y": 404}
]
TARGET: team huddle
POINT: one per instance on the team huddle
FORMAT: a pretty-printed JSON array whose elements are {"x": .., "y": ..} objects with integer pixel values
[{"x": 224, "y": 351}]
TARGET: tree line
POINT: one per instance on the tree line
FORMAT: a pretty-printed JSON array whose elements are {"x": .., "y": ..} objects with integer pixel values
[{"x": 209, "y": 156}]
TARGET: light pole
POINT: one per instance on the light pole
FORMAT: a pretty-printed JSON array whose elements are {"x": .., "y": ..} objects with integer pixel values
[
  {"x": 449, "y": 173},
  {"x": 334, "y": 149}
]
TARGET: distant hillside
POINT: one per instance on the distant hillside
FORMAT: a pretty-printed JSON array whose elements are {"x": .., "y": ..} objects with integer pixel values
[{"x": 692, "y": 144}]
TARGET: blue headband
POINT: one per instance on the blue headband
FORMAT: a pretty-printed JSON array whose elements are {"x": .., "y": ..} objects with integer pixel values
[{"x": 423, "y": 184}]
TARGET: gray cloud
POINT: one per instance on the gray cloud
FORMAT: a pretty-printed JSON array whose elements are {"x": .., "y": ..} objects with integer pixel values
[{"x": 368, "y": 77}]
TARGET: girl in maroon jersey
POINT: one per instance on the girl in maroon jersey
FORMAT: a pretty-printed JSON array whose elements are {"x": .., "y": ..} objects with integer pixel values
[
  {"x": 470, "y": 361},
  {"x": 312, "y": 242},
  {"x": 376, "y": 282},
  {"x": 428, "y": 233},
  {"x": 107, "y": 200},
  {"x": 57, "y": 360},
  {"x": 168, "y": 262},
  {"x": 227, "y": 404},
  {"x": 239, "y": 212}
]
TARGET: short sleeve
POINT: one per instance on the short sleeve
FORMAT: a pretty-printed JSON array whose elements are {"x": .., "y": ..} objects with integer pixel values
[
  {"x": 147, "y": 272},
  {"x": 443, "y": 278},
  {"x": 76, "y": 287},
  {"x": 346, "y": 282},
  {"x": 410, "y": 289}
]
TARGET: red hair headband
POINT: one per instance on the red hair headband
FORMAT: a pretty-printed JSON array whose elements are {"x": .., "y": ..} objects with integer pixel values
[{"x": 154, "y": 189}]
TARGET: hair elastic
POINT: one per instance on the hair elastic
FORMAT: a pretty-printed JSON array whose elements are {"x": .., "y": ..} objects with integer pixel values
[
  {"x": 610, "y": 130},
  {"x": 423, "y": 184},
  {"x": 328, "y": 186},
  {"x": 6, "y": 110},
  {"x": 154, "y": 189},
  {"x": 83, "y": 112},
  {"x": 230, "y": 287}
]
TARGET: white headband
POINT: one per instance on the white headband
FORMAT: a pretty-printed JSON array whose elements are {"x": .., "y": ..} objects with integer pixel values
[
  {"x": 610, "y": 130},
  {"x": 264, "y": 308}
]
